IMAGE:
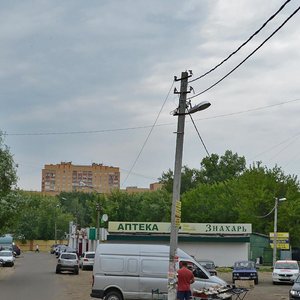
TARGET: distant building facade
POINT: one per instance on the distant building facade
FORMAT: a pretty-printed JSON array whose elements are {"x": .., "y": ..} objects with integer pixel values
[
  {"x": 153, "y": 187},
  {"x": 66, "y": 177}
]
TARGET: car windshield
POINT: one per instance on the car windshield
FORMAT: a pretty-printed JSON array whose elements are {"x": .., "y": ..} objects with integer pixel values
[
  {"x": 287, "y": 265},
  {"x": 207, "y": 264},
  {"x": 68, "y": 256},
  {"x": 244, "y": 265},
  {"x": 90, "y": 255},
  {"x": 5, "y": 254}
]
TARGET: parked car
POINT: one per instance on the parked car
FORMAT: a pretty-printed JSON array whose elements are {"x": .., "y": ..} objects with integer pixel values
[
  {"x": 86, "y": 260},
  {"x": 67, "y": 262},
  {"x": 70, "y": 250},
  {"x": 53, "y": 248},
  {"x": 294, "y": 293},
  {"x": 209, "y": 265},
  {"x": 7, "y": 258},
  {"x": 285, "y": 271},
  {"x": 59, "y": 249},
  {"x": 244, "y": 270}
]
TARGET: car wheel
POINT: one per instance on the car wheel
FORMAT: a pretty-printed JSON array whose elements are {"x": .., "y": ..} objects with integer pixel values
[
  {"x": 83, "y": 267},
  {"x": 113, "y": 295},
  {"x": 274, "y": 282},
  {"x": 256, "y": 280},
  {"x": 57, "y": 271},
  {"x": 76, "y": 271}
]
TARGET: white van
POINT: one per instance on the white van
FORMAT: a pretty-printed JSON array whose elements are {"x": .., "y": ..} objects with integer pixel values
[{"x": 134, "y": 271}]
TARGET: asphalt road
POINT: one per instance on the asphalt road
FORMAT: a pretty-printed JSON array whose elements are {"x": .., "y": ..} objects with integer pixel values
[{"x": 34, "y": 278}]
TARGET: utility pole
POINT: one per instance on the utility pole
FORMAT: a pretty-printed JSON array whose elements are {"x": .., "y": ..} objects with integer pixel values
[
  {"x": 176, "y": 204},
  {"x": 275, "y": 232},
  {"x": 98, "y": 208}
]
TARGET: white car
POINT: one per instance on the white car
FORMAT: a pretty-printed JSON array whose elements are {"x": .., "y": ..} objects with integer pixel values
[
  {"x": 86, "y": 260},
  {"x": 7, "y": 258},
  {"x": 285, "y": 271}
]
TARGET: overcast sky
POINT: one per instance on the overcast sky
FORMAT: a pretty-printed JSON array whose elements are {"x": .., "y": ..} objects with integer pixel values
[{"x": 84, "y": 81}]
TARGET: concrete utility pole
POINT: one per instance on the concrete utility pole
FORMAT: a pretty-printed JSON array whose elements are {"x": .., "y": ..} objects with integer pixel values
[
  {"x": 98, "y": 208},
  {"x": 277, "y": 201},
  {"x": 176, "y": 204},
  {"x": 275, "y": 232}
]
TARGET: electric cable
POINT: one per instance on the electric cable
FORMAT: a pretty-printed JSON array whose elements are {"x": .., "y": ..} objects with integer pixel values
[
  {"x": 209, "y": 156},
  {"x": 266, "y": 214},
  {"x": 256, "y": 49},
  {"x": 148, "y": 136},
  {"x": 243, "y": 44},
  {"x": 145, "y": 126}
]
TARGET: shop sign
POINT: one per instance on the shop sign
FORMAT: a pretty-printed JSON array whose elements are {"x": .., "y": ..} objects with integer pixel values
[
  {"x": 282, "y": 240},
  {"x": 191, "y": 228}
]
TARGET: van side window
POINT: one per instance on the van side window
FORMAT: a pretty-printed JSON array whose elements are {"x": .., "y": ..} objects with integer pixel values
[
  {"x": 132, "y": 265},
  {"x": 111, "y": 265},
  {"x": 154, "y": 266}
]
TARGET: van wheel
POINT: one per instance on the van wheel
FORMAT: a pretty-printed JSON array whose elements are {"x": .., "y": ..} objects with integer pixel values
[{"x": 113, "y": 295}]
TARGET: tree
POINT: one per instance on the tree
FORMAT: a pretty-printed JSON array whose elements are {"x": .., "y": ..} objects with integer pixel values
[
  {"x": 217, "y": 169},
  {"x": 8, "y": 173},
  {"x": 8, "y": 196},
  {"x": 189, "y": 179}
]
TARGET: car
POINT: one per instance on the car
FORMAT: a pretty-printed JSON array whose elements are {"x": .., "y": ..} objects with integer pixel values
[
  {"x": 285, "y": 271},
  {"x": 7, "y": 258},
  {"x": 245, "y": 270},
  {"x": 53, "y": 248},
  {"x": 86, "y": 260},
  {"x": 295, "y": 290},
  {"x": 59, "y": 249},
  {"x": 67, "y": 262},
  {"x": 209, "y": 265}
]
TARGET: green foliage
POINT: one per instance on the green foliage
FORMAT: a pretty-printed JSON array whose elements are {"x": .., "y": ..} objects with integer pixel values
[
  {"x": 8, "y": 173},
  {"x": 8, "y": 197}
]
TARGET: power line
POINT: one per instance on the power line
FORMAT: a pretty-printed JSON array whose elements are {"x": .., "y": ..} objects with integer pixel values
[
  {"x": 148, "y": 136},
  {"x": 242, "y": 45},
  {"x": 225, "y": 76},
  {"x": 145, "y": 126}
]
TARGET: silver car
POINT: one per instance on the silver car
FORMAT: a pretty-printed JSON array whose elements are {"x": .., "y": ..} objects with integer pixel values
[
  {"x": 67, "y": 262},
  {"x": 7, "y": 258}
]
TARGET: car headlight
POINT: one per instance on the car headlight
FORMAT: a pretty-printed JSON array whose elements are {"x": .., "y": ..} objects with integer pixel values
[
  {"x": 274, "y": 273},
  {"x": 294, "y": 293}
]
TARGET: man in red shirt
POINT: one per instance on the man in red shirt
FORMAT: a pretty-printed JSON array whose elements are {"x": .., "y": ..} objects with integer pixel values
[{"x": 184, "y": 279}]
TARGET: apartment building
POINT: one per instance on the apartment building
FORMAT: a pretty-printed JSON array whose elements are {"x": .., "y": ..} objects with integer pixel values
[{"x": 66, "y": 177}]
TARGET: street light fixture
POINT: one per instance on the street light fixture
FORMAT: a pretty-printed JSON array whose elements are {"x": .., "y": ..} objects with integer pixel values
[
  {"x": 181, "y": 111},
  {"x": 277, "y": 200}
]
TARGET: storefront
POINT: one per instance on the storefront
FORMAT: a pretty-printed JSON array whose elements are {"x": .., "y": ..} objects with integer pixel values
[{"x": 222, "y": 243}]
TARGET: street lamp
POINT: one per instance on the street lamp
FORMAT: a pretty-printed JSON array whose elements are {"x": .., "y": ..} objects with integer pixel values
[
  {"x": 277, "y": 200},
  {"x": 176, "y": 204}
]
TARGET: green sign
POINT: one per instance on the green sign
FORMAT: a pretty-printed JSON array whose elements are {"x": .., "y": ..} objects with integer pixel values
[{"x": 92, "y": 233}]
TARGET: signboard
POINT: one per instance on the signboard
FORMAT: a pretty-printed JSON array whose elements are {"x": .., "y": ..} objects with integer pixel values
[
  {"x": 282, "y": 240},
  {"x": 178, "y": 214},
  {"x": 92, "y": 233},
  {"x": 191, "y": 228}
]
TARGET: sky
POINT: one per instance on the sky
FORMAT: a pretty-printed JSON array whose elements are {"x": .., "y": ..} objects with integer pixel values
[{"x": 86, "y": 81}]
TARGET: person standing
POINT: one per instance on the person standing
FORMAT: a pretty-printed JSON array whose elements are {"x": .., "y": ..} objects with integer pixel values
[
  {"x": 37, "y": 249},
  {"x": 185, "y": 278}
]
